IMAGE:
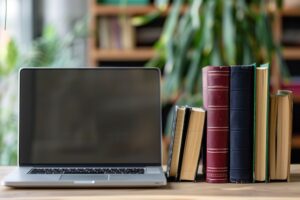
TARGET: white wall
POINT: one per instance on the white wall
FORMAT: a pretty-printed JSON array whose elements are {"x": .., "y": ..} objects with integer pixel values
[{"x": 63, "y": 14}]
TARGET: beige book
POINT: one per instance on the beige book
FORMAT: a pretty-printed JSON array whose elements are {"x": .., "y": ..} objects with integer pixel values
[
  {"x": 127, "y": 33},
  {"x": 280, "y": 135},
  {"x": 192, "y": 145},
  {"x": 261, "y": 118}
]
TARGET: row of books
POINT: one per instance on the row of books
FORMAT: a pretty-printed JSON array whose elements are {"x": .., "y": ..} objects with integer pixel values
[
  {"x": 247, "y": 138},
  {"x": 116, "y": 33}
]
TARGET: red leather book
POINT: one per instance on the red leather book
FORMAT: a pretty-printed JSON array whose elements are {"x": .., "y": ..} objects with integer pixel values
[{"x": 216, "y": 80}]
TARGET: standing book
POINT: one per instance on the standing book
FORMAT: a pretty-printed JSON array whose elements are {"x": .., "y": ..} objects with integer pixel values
[
  {"x": 175, "y": 145},
  {"x": 216, "y": 81},
  {"x": 192, "y": 147},
  {"x": 261, "y": 123},
  {"x": 241, "y": 123},
  {"x": 281, "y": 112}
]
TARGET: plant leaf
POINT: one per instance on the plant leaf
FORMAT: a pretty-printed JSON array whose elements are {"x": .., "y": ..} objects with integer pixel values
[{"x": 228, "y": 30}]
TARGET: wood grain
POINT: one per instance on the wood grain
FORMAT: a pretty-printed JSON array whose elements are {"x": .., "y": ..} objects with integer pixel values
[{"x": 185, "y": 190}]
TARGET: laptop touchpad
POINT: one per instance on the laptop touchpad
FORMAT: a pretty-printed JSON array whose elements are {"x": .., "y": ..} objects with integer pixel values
[{"x": 84, "y": 177}]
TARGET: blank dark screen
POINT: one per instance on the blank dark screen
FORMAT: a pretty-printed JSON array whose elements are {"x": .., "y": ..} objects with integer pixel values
[{"x": 90, "y": 116}]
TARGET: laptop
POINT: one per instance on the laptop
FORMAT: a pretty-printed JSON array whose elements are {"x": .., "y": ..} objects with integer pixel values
[{"x": 89, "y": 127}]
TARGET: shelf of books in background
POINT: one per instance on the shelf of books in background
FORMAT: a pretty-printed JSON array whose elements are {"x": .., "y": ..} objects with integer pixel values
[
  {"x": 117, "y": 38},
  {"x": 247, "y": 137},
  {"x": 116, "y": 33}
]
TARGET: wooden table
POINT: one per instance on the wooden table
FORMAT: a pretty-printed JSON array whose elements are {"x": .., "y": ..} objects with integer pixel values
[{"x": 175, "y": 191}]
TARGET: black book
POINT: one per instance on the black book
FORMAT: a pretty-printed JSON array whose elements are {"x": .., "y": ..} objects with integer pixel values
[{"x": 241, "y": 123}]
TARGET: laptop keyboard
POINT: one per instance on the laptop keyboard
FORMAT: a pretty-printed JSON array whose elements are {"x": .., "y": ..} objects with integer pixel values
[{"x": 87, "y": 171}]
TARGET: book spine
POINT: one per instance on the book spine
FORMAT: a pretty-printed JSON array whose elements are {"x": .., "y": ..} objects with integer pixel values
[
  {"x": 216, "y": 102},
  {"x": 184, "y": 133},
  {"x": 172, "y": 143},
  {"x": 241, "y": 123},
  {"x": 261, "y": 136}
]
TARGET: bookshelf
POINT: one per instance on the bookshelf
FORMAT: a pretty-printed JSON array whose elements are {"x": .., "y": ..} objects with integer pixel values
[
  {"x": 291, "y": 53},
  {"x": 103, "y": 10},
  {"x": 96, "y": 54}
]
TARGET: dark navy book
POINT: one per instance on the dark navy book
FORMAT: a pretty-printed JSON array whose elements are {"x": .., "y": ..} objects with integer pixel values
[{"x": 241, "y": 123}]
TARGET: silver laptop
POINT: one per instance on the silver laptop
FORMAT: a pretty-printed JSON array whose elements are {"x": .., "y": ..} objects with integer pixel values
[{"x": 89, "y": 127}]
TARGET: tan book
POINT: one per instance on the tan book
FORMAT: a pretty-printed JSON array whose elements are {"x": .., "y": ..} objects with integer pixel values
[
  {"x": 127, "y": 33},
  {"x": 261, "y": 123},
  {"x": 175, "y": 146},
  {"x": 280, "y": 135},
  {"x": 192, "y": 147}
]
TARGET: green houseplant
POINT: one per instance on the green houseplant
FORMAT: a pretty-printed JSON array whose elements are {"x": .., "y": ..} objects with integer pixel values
[{"x": 211, "y": 32}]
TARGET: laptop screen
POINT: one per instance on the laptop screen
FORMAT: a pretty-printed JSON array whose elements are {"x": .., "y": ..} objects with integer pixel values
[{"x": 90, "y": 116}]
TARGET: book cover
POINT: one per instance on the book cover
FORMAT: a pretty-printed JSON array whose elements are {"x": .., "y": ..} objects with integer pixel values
[
  {"x": 241, "y": 123},
  {"x": 216, "y": 81},
  {"x": 281, "y": 114},
  {"x": 261, "y": 123},
  {"x": 115, "y": 31},
  {"x": 192, "y": 147}
]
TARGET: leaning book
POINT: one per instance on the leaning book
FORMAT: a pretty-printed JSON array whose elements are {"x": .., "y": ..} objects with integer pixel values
[
  {"x": 176, "y": 139},
  {"x": 192, "y": 147}
]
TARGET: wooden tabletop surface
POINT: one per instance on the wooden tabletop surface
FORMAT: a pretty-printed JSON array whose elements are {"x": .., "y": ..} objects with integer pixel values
[{"x": 185, "y": 191}]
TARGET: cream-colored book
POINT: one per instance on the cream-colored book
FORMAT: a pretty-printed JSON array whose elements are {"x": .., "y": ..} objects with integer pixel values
[
  {"x": 280, "y": 135},
  {"x": 261, "y": 123},
  {"x": 191, "y": 152}
]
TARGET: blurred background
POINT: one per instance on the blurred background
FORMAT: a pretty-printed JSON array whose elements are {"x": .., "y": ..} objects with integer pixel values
[{"x": 179, "y": 36}]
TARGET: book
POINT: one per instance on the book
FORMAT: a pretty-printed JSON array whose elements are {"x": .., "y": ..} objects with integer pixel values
[
  {"x": 216, "y": 80},
  {"x": 241, "y": 123},
  {"x": 103, "y": 32},
  {"x": 176, "y": 138},
  {"x": 184, "y": 134},
  {"x": 127, "y": 33},
  {"x": 115, "y": 30},
  {"x": 192, "y": 147},
  {"x": 261, "y": 123},
  {"x": 281, "y": 112}
]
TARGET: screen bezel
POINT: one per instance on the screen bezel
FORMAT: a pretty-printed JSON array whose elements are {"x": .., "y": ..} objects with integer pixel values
[{"x": 21, "y": 162}]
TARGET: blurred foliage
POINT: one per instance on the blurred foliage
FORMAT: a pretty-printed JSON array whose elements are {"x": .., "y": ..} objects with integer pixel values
[
  {"x": 211, "y": 32},
  {"x": 8, "y": 57},
  {"x": 8, "y": 101},
  {"x": 49, "y": 50}
]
